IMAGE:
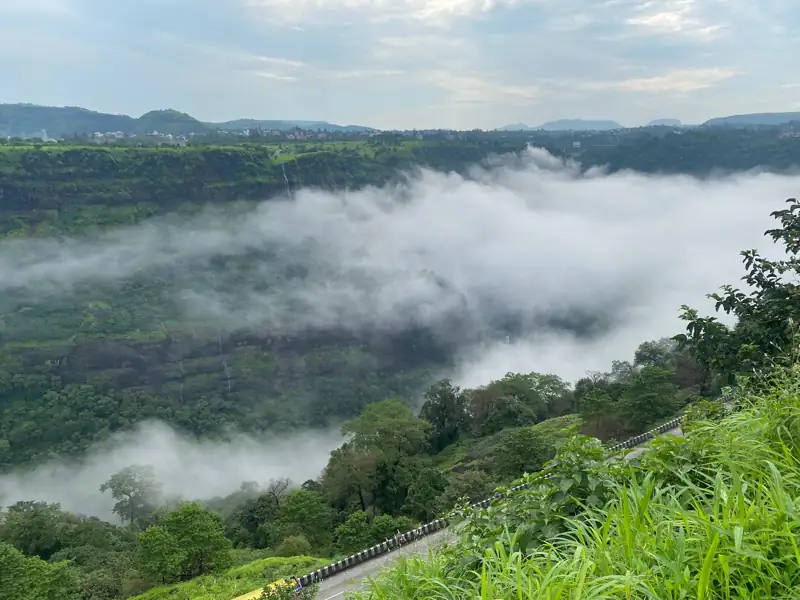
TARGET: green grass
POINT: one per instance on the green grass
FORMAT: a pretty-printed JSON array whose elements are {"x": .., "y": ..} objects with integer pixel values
[
  {"x": 236, "y": 581},
  {"x": 711, "y": 516}
]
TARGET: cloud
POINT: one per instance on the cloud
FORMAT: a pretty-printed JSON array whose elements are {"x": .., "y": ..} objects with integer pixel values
[
  {"x": 528, "y": 264},
  {"x": 185, "y": 467},
  {"x": 531, "y": 239},
  {"x": 380, "y": 10},
  {"x": 681, "y": 81},
  {"x": 403, "y": 63},
  {"x": 674, "y": 17}
]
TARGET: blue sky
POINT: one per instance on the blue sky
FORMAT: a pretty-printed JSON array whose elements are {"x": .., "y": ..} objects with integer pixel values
[{"x": 406, "y": 63}]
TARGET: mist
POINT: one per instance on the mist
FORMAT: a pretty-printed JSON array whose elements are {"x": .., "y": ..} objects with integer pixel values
[
  {"x": 528, "y": 239},
  {"x": 185, "y": 467}
]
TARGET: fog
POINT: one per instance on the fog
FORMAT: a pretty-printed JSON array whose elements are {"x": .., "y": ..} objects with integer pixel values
[
  {"x": 529, "y": 237},
  {"x": 185, "y": 467}
]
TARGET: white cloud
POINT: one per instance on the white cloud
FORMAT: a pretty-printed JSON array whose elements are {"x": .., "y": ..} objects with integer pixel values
[
  {"x": 680, "y": 81},
  {"x": 674, "y": 17},
  {"x": 381, "y": 10},
  {"x": 471, "y": 88}
]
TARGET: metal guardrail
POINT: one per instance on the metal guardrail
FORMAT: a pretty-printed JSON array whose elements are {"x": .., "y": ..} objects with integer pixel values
[{"x": 422, "y": 531}]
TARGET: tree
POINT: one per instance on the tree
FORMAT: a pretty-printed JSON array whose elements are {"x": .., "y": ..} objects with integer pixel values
[
  {"x": 135, "y": 490},
  {"x": 446, "y": 409},
  {"x": 659, "y": 353},
  {"x": 306, "y": 513},
  {"x": 517, "y": 399},
  {"x": 390, "y": 428},
  {"x": 600, "y": 413},
  {"x": 423, "y": 489},
  {"x": 472, "y": 485},
  {"x": 33, "y": 528},
  {"x": 31, "y": 578},
  {"x": 650, "y": 395},
  {"x": 158, "y": 554},
  {"x": 522, "y": 450},
  {"x": 349, "y": 477},
  {"x": 199, "y": 535},
  {"x": 765, "y": 329},
  {"x": 354, "y": 534}
]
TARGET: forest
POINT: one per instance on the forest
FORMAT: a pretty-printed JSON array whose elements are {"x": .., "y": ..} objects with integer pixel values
[
  {"x": 84, "y": 364},
  {"x": 76, "y": 368}
]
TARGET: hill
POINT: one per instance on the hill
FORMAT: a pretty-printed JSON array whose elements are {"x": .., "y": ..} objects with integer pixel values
[
  {"x": 664, "y": 123},
  {"x": 286, "y": 125},
  {"x": 754, "y": 119},
  {"x": 28, "y": 120},
  {"x": 579, "y": 125},
  {"x": 24, "y": 120},
  {"x": 514, "y": 127}
]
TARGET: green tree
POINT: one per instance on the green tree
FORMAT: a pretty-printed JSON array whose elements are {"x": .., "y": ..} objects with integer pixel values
[
  {"x": 445, "y": 409},
  {"x": 523, "y": 450},
  {"x": 159, "y": 555},
  {"x": 765, "y": 329},
  {"x": 135, "y": 490},
  {"x": 33, "y": 528},
  {"x": 354, "y": 534},
  {"x": 649, "y": 396},
  {"x": 306, "y": 513},
  {"x": 294, "y": 545},
  {"x": 199, "y": 533},
  {"x": 31, "y": 578},
  {"x": 472, "y": 485},
  {"x": 390, "y": 428}
]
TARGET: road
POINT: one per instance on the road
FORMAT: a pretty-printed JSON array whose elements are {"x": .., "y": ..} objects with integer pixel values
[
  {"x": 351, "y": 580},
  {"x": 337, "y": 586}
]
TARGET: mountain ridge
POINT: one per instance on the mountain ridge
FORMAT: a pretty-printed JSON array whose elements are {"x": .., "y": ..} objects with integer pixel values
[{"x": 23, "y": 119}]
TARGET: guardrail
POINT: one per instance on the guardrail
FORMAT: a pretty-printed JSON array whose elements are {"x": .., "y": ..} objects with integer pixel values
[{"x": 403, "y": 539}]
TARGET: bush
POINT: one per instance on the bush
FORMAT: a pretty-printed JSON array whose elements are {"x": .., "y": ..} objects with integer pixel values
[{"x": 294, "y": 545}]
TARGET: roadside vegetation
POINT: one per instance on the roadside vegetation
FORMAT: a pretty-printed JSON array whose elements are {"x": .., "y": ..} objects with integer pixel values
[{"x": 710, "y": 516}]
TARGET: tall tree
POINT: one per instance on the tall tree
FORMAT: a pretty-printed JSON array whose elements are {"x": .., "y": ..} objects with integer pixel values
[
  {"x": 446, "y": 409},
  {"x": 200, "y": 536},
  {"x": 766, "y": 317},
  {"x": 135, "y": 490}
]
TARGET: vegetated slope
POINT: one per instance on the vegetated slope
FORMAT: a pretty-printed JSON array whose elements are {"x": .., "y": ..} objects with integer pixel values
[
  {"x": 75, "y": 367},
  {"x": 727, "y": 491},
  {"x": 710, "y": 515},
  {"x": 236, "y": 581}
]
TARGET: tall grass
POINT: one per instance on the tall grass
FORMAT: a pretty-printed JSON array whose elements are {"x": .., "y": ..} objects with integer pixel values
[{"x": 710, "y": 516}]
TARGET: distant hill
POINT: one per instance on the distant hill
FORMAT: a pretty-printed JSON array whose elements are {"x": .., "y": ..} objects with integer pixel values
[
  {"x": 579, "y": 125},
  {"x": 281, "y": 125},
  {"x": 514, "y": 127},
  {"x": 664, "y": 123},
  {"x": 754, "y": 119},
  {"x": 30, "y": 119},
  {"x": 565, "y": 125}
]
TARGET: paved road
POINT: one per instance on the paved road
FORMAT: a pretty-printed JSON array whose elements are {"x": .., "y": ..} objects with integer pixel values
[
  {"x": 337, "y": 586},
  {"x": 351, "y": 580}
]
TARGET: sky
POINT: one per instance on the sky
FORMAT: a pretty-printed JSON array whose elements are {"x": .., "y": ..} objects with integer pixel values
[{"x": 405, "y": 64}]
